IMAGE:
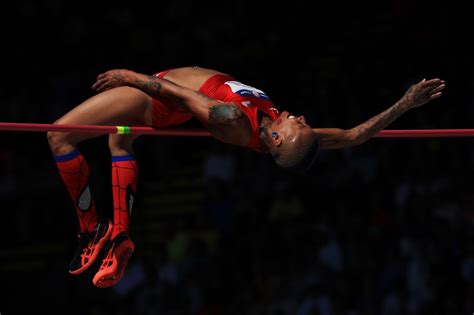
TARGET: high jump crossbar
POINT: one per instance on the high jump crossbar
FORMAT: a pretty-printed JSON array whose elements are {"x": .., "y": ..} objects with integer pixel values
[{"x": 193, "y": 132}]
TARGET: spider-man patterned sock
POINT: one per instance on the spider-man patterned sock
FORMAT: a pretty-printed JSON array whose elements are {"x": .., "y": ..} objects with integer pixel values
[
  {"x": 74, "y": 171},
  {"x": 124, "y": 186}
]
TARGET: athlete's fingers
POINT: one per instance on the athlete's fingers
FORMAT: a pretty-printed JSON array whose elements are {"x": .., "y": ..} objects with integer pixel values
[
  {"x": 99, "y": 87},
  {"x": 436, "y": 95},
  {"x": 437, "y": 89},
  {"x": 96, "y": 85},
  {"x": 99, "y": 83},
  {"x": 432, "y": 82},
  {"x": 107, "y": 86},
  {"x": 103, "y": 87}
]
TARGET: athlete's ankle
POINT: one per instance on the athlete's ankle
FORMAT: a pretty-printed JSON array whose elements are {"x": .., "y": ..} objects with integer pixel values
[{"x": 118, "y": 230}]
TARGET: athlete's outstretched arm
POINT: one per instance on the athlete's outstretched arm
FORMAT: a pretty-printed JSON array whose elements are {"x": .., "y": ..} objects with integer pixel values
[
  {"x": 417, "y": 95},
  {"x": 225, "y": 121}
]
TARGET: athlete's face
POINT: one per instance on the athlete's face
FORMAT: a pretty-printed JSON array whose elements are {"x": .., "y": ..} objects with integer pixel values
[{"x": 289, "y": 128}]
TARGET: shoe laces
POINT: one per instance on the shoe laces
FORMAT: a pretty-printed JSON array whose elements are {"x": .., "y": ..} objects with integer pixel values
[
  {"x": 109, "y": 258},
  {"x": 84, "y": 240}
]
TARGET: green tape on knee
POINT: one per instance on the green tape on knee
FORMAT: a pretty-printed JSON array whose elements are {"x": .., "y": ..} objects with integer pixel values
[{"x": 123, "y": 130}]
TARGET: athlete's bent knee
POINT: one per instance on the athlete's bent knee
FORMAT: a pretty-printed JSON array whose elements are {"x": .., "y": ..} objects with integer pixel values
[
  {"x": 121, "y": 144},
  {"x": 60, "y": 142},
  {"x": 57, "y": 142}
]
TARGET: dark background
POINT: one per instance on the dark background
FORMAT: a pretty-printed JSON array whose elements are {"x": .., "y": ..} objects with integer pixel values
[{"x": 382, "y": 228}]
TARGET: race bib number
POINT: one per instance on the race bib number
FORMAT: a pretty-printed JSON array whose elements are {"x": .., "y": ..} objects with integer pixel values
[{"x": 246, "y": 90}]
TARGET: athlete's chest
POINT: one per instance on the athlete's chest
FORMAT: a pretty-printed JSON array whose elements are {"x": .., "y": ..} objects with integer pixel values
[{"x": 251, "y": 97}]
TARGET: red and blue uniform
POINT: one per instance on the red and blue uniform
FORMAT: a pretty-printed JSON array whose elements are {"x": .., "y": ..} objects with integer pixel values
[{"x": 226, "y": 89}]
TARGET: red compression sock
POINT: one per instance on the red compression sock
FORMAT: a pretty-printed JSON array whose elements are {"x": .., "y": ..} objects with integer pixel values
[
  {"x": 124, "y": 186},
  {"x": 74, "y": 171}
]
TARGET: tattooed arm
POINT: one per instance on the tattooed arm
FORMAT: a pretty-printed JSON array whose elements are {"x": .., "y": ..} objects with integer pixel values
[
  {"x": 417, "y": 95},
  {"x": 225, "y": 121},
  {"x": 196, "y": 102}
]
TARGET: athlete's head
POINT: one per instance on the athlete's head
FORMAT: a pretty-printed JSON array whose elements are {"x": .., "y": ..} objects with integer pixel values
[{"x": 292, "y": 143}]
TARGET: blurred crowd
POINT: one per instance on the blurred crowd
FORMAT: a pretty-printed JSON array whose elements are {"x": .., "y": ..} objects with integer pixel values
[
  {"x": 357, "y": 238},
  {"x": 383, "y": 228}
]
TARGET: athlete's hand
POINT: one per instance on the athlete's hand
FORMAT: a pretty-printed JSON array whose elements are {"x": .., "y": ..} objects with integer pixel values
[
  {"x": 422, "y": 92},
  {"x": 113, "y": 78}
]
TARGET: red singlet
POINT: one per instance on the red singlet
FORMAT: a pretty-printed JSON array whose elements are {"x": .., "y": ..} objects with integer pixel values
[{"x": 226, "y": 89}]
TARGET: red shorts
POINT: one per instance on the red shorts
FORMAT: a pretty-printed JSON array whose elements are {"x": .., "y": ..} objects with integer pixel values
[{"x": 166, "y": 113}]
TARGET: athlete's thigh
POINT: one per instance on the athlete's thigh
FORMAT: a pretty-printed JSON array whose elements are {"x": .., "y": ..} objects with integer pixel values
[
  {"x": 122, "y": 105},
  {"x": 118, "y": 106}
]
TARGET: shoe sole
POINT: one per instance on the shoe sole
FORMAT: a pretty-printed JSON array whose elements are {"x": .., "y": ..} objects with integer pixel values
[
  {"x": 123, "y": 253},
  {"x": 98, "y": 248}
]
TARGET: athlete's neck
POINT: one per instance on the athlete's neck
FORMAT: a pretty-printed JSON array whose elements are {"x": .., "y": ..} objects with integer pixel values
[
  {"x": 265, "y": 123},
  {"x": 261, "y": 117}
]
